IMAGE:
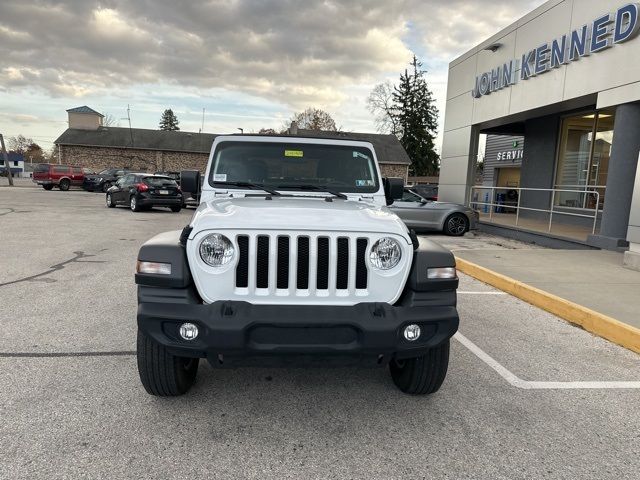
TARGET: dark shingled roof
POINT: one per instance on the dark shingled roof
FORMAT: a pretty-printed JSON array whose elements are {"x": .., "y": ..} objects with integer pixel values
[
  {"x": 140, "y": 138},
  {"x": 388, "y": 147},
  {"x": 84, "y": 109}
]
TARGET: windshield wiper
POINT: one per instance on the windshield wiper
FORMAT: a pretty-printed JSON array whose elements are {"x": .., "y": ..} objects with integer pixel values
[
  {"x": 316, "y": 188},
  {"x": 254, "y": 186}
]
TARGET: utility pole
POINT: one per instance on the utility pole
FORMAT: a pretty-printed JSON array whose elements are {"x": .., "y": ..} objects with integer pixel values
[{"x": 5, "y": 157}]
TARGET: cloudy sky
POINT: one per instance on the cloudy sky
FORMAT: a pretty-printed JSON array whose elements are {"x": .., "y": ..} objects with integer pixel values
[{"x": 250, "y": 64}]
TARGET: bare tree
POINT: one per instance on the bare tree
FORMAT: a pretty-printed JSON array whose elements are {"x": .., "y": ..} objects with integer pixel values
[
  {"x": 381, "y": 104},
  {"x": 110, "y": 121},
  {"x": 267, "y": 131},
  {"x": 19, "y": 144},
  {"x": 314, "y": 119}
]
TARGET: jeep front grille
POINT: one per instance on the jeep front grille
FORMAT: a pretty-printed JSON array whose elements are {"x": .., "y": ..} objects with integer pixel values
[{"x": 306, "y": 265}]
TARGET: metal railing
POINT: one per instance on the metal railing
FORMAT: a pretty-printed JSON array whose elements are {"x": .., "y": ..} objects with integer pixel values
[{"x": 491, "y": 200}]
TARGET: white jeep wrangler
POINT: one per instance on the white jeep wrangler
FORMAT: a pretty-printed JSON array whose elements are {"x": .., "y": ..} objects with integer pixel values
[{"x": 293, "y": 257}]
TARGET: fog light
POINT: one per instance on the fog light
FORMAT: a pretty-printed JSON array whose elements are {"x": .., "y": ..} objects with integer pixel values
[
  {"x": 412, "y": 333},
  {"x": 188, "y": 331}
]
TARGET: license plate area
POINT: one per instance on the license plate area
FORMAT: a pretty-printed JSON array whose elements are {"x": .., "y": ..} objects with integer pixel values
[{"x": 163, "y": 192}]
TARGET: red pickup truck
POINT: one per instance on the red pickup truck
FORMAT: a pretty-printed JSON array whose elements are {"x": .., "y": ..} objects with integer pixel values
[{"x": 62, "y": 176}]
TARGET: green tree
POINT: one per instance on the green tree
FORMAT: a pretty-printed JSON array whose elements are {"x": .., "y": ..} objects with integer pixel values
[
  {"x": 407, "y": 110},
  {"x": 169, "y": 121},
  {"x": 417, "y": 119}
]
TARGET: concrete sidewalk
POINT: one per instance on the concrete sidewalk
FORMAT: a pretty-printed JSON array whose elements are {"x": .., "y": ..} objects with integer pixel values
[{"x": 590, "y": 278}]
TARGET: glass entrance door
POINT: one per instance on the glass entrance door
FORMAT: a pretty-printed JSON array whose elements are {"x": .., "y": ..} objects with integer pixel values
[{"x": 583, "y": 159}]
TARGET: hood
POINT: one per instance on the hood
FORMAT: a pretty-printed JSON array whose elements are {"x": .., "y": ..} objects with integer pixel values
[{"x": 296, "y": 213}]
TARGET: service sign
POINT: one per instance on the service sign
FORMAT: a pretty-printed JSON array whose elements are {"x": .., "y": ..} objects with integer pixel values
[{"x": 604, "y": 32}]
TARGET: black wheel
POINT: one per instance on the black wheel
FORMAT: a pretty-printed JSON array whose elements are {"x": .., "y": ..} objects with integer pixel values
[
  {"x": 110, "y": 202},
  {"x": 47, "y": 187},
  {"x": 421, "y": 375},
  {"x": 106, "y": 186},
  {"x": 176, "y": 209},
  {"x": 456, "y": 225},
  {"x": 133, "y": 203},
  {"x": 161, "y": 373},
  {"x": 64, "y": 184}
]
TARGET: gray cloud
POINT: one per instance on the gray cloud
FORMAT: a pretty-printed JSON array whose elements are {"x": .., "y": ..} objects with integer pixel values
[{"x": 296, "y": 53}]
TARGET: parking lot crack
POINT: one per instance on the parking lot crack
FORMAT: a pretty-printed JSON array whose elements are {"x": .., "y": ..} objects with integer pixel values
[{"x": 79, "y": 255}]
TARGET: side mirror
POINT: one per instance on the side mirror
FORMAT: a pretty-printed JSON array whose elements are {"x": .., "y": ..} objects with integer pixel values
[
  {"x": 190, "y": 181},
  {"x": 393, "y": 189}
]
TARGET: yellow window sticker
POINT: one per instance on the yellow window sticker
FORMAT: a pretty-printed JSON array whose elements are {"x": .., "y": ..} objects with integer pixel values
[{"x": 293, "y": 153}]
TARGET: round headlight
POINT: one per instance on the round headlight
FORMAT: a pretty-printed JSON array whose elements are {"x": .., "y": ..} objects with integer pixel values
[
  {"x": 385, "y": 254},
  {"x": 216, "y": 250}
]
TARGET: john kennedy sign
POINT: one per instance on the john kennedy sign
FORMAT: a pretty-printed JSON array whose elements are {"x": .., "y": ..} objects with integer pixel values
[{"x": 603, "y": 33}]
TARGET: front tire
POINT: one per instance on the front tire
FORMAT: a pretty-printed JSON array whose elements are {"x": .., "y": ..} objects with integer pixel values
[
  {"x": 106, "y": 186},
  {"x": 456, "y": 225},
  {"x": 110, "y": 202},
  {"x": 422, "y": 375},
  {"x": 176, "y": 209},
  {"x": 47, "y": 187},
  {"x": 64, "y": 185},
  {"x": 161, "y": 373}
]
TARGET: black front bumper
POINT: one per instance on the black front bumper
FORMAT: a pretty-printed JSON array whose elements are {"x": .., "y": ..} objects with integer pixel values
[{"x": 233, "y": 330}]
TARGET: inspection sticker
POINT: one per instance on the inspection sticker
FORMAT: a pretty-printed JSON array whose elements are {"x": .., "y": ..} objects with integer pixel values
[
  {"x": 293, "y": 153},
  {"x": 220, "y": 177},
  {"x": 364, "y": 183}
]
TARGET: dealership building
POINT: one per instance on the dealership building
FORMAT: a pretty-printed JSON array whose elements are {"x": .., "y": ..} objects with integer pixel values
[{"x": 564, "y": 81}]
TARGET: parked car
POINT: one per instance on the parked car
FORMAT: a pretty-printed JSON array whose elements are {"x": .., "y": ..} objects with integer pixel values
[
  {"x": 102, "y": 181},
  {"x": 141, "y": 191},
  {"x": 428, "y": 192},
  {"x": 62, "y": 176},
  {"x": 421, "y": 214}
]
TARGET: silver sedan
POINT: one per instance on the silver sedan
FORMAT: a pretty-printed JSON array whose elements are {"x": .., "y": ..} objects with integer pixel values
[{"x": 421, "y": 214}]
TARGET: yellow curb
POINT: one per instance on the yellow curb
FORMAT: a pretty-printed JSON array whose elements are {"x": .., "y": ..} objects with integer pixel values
[{"x": 592, "y": 321}]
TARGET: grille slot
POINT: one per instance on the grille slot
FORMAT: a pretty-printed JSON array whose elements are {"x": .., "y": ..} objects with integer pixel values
[
  {"x": 262, "y": 262},
  {"x": 303, "y": 263},
  {"x": 361, "y": 264},
  {"x": 322, "y": 275},
  {"x": 342, "y": 267},
  {"x": 283, "y": 263},
  {"x": 242, "y": 270}
]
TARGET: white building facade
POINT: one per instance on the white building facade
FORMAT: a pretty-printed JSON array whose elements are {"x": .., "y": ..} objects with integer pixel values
[{"x": 566, "y": 77}]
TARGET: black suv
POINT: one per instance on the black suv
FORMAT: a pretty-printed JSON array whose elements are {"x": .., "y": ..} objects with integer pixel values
[
  {"x": 140, "y": 191},
  {"x": 102, "y": 181}
]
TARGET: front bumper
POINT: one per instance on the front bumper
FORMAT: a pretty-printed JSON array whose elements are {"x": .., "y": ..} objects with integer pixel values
[
  {"x": 92, "y": 185},
  {"x": 232, "y": 330}
]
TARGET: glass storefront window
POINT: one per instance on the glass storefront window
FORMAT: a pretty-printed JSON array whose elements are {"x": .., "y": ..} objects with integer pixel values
[{"x": 583, "y": 159}]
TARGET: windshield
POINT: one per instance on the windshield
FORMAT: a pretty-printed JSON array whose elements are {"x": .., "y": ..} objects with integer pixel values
[
  {"x": 160, "y": 182},
  {"x": 108, "y": 171},
  {"x": 292, "y": 165}
]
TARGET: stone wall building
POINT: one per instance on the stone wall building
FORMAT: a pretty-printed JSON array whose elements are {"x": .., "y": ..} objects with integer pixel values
[{"x": 88, "y": 143}]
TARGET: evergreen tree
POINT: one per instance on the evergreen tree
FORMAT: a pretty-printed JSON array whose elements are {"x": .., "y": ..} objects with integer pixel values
[
  {"x": 417, "y": 120},
  {"x": 169, "y": 121}
]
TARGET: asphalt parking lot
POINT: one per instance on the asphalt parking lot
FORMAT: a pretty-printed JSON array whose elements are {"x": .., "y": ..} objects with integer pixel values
[{"x": 527, "y": 395}]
